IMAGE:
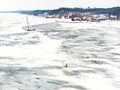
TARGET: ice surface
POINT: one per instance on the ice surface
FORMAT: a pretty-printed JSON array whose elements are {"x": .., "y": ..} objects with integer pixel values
[{"x": 36, "y": 60}]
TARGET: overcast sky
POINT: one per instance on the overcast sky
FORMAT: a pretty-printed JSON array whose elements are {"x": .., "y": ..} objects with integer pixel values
[{"x": 53, "y": 4}]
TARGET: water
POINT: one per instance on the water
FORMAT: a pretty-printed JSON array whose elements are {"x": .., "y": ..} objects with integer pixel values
[{"x": 36, "y": 60}]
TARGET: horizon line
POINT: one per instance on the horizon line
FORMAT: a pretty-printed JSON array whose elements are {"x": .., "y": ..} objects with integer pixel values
[{"x": 56, "y": 8}]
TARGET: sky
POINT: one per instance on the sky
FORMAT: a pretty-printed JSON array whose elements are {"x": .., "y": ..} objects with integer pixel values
[{"x": 7, "y": 5}]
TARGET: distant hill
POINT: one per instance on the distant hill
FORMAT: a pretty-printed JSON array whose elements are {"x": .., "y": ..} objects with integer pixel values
[{"x": 110, "y": 11}]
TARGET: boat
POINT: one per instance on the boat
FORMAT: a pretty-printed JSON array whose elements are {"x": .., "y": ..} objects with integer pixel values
[{"x": 28, "y": 27}]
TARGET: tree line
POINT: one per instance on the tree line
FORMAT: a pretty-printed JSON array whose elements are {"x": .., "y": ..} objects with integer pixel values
[{"x": 109, "y": 11}]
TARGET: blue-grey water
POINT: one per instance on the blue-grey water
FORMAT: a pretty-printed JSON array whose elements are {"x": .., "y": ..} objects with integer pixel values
[{"x": 59, "y": 56}]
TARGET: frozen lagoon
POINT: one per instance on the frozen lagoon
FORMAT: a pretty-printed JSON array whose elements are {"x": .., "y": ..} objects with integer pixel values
[{"x": 35, "y": 60}]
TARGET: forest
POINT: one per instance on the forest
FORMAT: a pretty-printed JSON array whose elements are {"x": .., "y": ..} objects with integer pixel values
[{"x": 109, "y": 11}]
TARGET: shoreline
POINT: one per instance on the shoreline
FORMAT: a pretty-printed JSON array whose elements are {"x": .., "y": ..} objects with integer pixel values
[{"x": 55, "y": 22}]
